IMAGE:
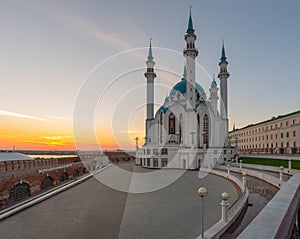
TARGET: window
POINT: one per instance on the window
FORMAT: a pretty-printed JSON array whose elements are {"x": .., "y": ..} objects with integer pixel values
[
  {"x": 161, "y": 125},
  {"x": 294, "y": 133},
  {"x": 164, "y": 151},
  {"x": 271, "y": 136},
  {"x": 148, "y": 162},
  {"x": 287, "y": 134},
  {"x": 281, "y": 135},
  {"x": 155, "y": 151},
  {"x": 281, "y": 125},
  {"x": 155, "y": 162},
  {"x": 171, "y": 124},
  {"x": 164, "y": 162},
  {"x": 294, "y": 121},
  {"x": 205, "y": 130},
  {"x": 287, "y": 123},
  {"x": 148, "y": 151},
  {"x": 287, "y": 144},
  {"x": 276, "y": 136}
]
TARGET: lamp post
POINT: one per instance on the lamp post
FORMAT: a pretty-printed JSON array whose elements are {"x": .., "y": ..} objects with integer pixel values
[
  {"x": 137, "y": 142},
  {"x": 202, "y": 192}
]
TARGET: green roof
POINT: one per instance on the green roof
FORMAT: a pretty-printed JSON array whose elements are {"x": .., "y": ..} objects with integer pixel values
[{"x": 270, "y": 120}]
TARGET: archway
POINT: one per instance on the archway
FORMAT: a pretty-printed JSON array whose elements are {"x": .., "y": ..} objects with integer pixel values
[
  {"x": 47, "y": 183},
  {"x": 19, "y": 192}
]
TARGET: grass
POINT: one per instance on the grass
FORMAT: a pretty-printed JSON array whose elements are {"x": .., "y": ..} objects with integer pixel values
[{"x": 271, "y": 162}]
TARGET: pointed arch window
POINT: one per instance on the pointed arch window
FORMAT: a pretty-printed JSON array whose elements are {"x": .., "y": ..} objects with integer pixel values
[
  {"x": 171, "y": 123},
  {"x": 160, "y": 127},
  {"x": 180, "y": 128},
  {"x": 206, "y": 130}
]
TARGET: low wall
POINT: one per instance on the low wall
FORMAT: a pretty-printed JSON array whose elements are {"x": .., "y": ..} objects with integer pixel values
[{"x": 277, "y": 218}]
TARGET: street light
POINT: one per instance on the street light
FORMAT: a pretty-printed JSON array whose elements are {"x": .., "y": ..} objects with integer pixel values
[{"x": 202, "y": 192}]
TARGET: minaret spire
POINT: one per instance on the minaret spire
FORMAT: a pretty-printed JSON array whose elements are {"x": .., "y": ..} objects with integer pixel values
[
  {"x": 190, "y": 53},
  {"x": 223, "y": 76},
  {"x": 150, "y": 57},
  {"x": 223, "y": 55},
  {"x": 150, "y": 76},
  {"x": 190, "y": 29}
]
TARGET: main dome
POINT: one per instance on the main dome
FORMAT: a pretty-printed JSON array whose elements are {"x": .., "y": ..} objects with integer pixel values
[{"x": 181, "y": 87}]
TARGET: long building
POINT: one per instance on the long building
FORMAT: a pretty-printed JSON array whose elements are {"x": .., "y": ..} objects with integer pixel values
[{"x": 278, "y": 135}]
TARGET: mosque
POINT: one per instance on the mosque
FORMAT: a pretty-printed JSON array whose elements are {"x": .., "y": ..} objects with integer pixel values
[{"x": 188, "y": 129}]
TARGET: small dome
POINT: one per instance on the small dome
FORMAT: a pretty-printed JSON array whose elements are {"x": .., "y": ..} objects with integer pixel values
[
  {"x": 213, "y": 84},
  {"x": 181, "y": 87}
]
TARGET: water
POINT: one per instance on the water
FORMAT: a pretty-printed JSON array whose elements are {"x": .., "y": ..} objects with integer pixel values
[{"x": 48, "y": 156}]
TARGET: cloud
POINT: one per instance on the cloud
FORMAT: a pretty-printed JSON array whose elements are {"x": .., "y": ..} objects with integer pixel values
[{"x": 13, "y": 114}]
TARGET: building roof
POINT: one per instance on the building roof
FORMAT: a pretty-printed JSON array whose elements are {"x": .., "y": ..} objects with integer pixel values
[
  {"x": 181, "y": 87},
  {"x": 10, "y": 156},
  {"x": 270, "y": 120}
]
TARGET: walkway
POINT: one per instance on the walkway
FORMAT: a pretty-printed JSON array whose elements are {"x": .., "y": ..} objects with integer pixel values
[{"x": 92, "y": 210}]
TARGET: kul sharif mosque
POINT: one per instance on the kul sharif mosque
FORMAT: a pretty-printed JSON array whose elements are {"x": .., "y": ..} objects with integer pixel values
[{"x": 188, "y": 129}]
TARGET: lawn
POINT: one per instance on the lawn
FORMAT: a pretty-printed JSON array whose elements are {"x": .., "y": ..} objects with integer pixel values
[{"x": 271, "y": 162}]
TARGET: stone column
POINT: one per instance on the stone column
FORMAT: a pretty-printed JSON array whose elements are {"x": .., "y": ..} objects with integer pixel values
[
  {"x": 244, "y": 181},
  {"x": 225, "y": 205},
  {"x": 281, "y": 174},
  {"x": 290, "y": 165},
  {"x": 228, "y": 169},
  {"x": 241, "y": 165}
]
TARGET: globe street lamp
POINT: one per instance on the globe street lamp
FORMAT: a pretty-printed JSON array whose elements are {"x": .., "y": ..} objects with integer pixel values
[{"x": 202, "y": 192}]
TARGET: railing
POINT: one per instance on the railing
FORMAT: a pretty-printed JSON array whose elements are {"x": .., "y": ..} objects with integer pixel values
[
  {"x": 280, "y": 217},
  {"x": 234, "y": 211}
]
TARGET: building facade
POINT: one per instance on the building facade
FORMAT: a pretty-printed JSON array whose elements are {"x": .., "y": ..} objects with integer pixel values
[
  {"x": 188, "y": 127},
  {"x": 279, "y": 135}
]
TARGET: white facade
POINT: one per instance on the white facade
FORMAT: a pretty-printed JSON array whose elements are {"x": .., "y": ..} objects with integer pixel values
[
  {"x": 188, "y": 127},
  {"x": 279, "y": 135}
]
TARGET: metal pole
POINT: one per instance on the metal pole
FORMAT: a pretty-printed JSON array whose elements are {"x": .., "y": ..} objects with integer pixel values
[{"x": 202, "y": 227}]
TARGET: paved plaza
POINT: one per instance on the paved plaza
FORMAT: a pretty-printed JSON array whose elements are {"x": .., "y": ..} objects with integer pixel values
[{"x": 93, "y": 210}]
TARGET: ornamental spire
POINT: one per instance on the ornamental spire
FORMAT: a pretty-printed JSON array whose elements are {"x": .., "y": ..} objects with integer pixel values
[
  {"x": 223, "y": 55},
  {"x": 184, "y": 72},
  {"x": 190, "y": 29},
  {"x": 150, "y": 57}
]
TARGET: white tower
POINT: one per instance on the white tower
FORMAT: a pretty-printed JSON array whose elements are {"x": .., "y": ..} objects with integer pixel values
[
  {"x": 223, "y": 75},
  {"x": 214, "y": 96},
  {"x": 190, "y": 53},
  {"x": 150, "y": 75}
]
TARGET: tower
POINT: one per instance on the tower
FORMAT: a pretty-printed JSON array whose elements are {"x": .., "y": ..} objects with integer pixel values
[
  {"x": 150, "y": 75},
  {"x": 223, "y": 76},
  {"x": 190, "y": 53},
  {"x": 214, "y": 96}
]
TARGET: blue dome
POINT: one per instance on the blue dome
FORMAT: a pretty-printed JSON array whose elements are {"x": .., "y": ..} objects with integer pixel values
[
  {"x": 181, "y": 87},
  {"x": 214, "y": 84}
]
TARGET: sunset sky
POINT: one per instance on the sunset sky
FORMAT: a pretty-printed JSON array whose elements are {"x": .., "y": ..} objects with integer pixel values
[{"x": 76, "y": 67}]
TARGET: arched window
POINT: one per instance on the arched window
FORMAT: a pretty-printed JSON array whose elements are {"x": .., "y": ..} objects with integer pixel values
[
  {"x": 63, "y": 177},
  {"x": 198, "y": 130},
  {"x": 171, "y": 124},
  {"x": 180, "y": 128},
  {"x": 19, "y": 192},
  {"x": 47, "y": 183},
  {"x": 75, "y": 173},
  {"x": 205, "y": 130},
  {"x": 160, "y": 127}
]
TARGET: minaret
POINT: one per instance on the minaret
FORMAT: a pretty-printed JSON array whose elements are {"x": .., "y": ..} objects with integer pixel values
[
  {"x": 223, "y": 75},
  {"x": 150, "y": 75},
  {"x": 190, "y": 53},
  {"x": 214, "y": 95}
]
